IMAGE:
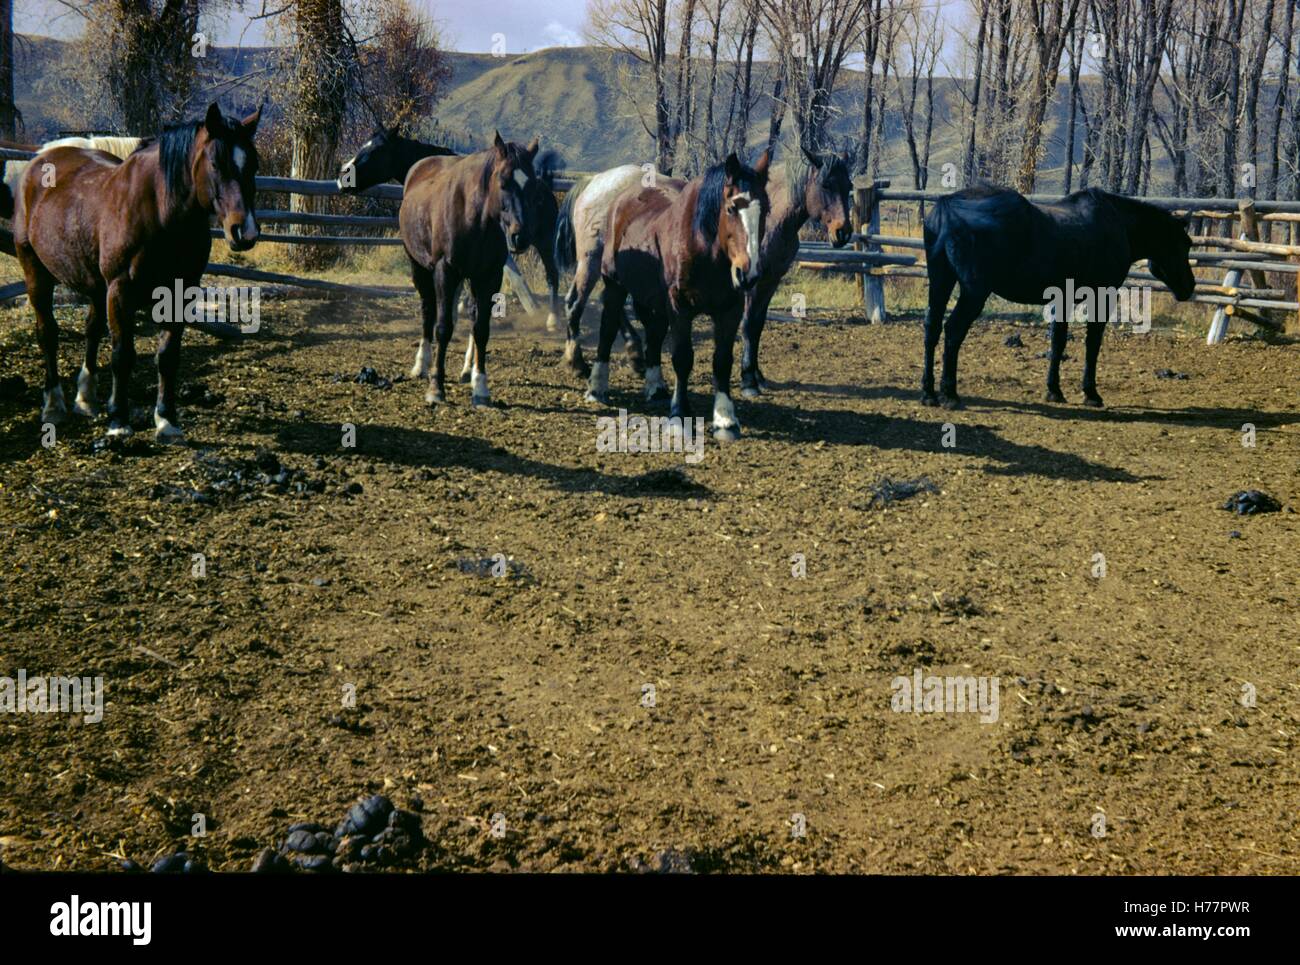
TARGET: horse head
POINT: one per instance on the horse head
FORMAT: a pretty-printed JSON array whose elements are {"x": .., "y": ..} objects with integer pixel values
[
  {"x": 743, "y": 216},
  {"x": 371, "y": 165},
  {"x": 513, "y": 186},
  {"x": 827, "y": 194},
  {"x": 224, "y": 171},
  {"x": 1168, "y": 245}
]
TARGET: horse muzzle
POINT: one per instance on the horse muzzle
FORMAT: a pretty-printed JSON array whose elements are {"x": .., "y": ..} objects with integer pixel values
[
  {"x": 242, "y": 236},
  {"x": 841, "y": 236},
  {"x": 516, "y": 242},
  {"x": 743, "y": 280}
]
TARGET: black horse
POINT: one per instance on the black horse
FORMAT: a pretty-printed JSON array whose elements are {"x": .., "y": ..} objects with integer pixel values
[
  {"x": 996, "y": 242},
  {"x": 389, "y": 156}
]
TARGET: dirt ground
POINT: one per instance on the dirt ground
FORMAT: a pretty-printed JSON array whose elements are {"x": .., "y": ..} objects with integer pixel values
[{"x": 512, "y": 710}]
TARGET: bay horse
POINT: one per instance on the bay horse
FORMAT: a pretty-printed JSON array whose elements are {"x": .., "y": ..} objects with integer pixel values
[
  {"x": 460, "y": 217},
  {"x": 819, "y": 189},
  {"x": 389, "y": 156},
  {"x": 680, "y": 254},
  {"x": 115, "y": 230},
  {"x": 580, "y": 241},
  {"x": 995, "y": 241}
]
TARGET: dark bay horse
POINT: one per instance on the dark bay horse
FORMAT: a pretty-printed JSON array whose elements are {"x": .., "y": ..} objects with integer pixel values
[
  {"x": 116, "y": 230},
  {"x": 996, "y": 242},
  {"x": 460, "y": 216},
  {"x": 818, "y": 190},
  {"x": 680, "y": 254},
  {"x": 389, "y": 156}
]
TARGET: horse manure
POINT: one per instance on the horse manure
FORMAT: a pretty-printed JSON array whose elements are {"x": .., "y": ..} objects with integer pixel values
[
  {"x": 1248, "y": 502},
  {"x": 1170, "y": 374},
  {"x": 366, "y": 376},
  {"x": 887, "y": 491},
  {"x": 1013, "y": 341},
  {"x": 175, "y": 864}
]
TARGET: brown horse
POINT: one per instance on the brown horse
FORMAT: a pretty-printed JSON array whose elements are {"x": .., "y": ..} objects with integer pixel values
[
  {"x": 680, "y": 254},
  {"x": 460, "y": 216},
  {"x": 117, "y": 231}
]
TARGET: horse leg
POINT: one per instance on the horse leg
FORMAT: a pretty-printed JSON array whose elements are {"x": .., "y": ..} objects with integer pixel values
[
  {"x": 585, "y": 277},
  {"x": 1091, "y": 347},
  {"x": 656, "y": 389},
  {"x": 610, "y": 313},
  {"x": 632, "y": 344},
  {"x": 968, "y": 307},
  {"x": 757, "y": 301},
  {"x": 121, "y": 329},
  {"x": 483, "y": 288},
  {"x": 96, "y": 326},
  {"x": 40, "y": 292},
  {"x": 423, "y": 279},
  {"x": 726, "y": 427},
  {"x": 468, "y": 365},
  {"x": 1060, "y": 332},
  {"x": 169, "y": 359},
  {"x": 942, "y": 281},
  {"x": 547, "y": 255},
  {"x": 446, "y": 286},
  {"x": 683, "y": 362}
]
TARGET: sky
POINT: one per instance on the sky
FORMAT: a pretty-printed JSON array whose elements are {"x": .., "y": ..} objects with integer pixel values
[{"x": 465, "y": 24}]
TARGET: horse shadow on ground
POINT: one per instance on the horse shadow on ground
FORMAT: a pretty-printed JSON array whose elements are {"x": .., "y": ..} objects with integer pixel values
[
  {"x": 422, "y": 448},
  {"x": 1195, "y": 417},
  {"x": 846, "y": 427}
]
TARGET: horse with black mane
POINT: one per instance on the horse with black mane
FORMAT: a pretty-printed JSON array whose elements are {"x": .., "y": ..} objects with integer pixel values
[
  {"x": 817, "y": 189},
  {"x": 388, "y": 155},
  {"x": 680, "y": 254},
  {"x": 995, "y": 241},
  {"x": 459, "y": 219},
  {"x": 115, "y": 231}
]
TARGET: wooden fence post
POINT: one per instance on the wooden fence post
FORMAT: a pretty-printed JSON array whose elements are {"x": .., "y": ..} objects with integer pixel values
[{"x": 873, "y": 286}]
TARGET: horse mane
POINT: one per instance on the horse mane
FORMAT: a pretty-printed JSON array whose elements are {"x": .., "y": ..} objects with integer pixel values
[
  {"x": 708, "y": 205},
  {"x": 517, "y": 155},
  {"x": 175, "y": 144}
]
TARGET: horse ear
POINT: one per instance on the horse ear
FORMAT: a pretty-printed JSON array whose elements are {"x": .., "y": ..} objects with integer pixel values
[
  {"x": 760, "y": 167},
  {"x": 733, "y": 167},
  {"x": 500, "y": 145},
  {"x": 214, "y": 121},
  {"x": 251, "y": 121},
  {"x": 533, "y": 145},
  {"x": 813, "y": 159}
]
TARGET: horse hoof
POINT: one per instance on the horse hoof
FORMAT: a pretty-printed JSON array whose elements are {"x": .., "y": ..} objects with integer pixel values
[
  {"x": 481, "y": 401},
  {"x": 725, "y": 434},
  {"x": 659, "y": 394},
  {"x": 638, "y": 365},
  {"x": 1094, "y": 402},
  {"x": 952, "y": 403},
  {"x": 600, "y": 398},
  {"x": 750, "y": 391},
  {"x": 929, "y": 399},
  {"x": 53, "y": 416},
  {"x": 434, "y": 397},
  {"x": 582, "y": 371},
  {"x": 169, "y": 436},
  {"x": 464, "y": 378},
  {"x": 120, "y": 432},
  {"x": 552, "y": 323},
  {"x": 85, "y": 408},
  {"x": 1054, "y": 395}
]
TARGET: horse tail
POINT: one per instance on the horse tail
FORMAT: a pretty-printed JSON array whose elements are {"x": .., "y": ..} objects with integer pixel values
[
  {"x": 6, "y": 201},
  {"x": 566, "y": 240},
  {"x": 935, "y": 223}
]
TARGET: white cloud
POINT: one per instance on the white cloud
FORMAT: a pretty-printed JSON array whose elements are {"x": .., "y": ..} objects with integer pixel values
[{"x": 556, "y": 34}]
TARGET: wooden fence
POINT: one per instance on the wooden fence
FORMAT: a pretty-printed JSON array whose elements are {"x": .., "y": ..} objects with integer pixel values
[{"x": 1244, "y": 252}]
